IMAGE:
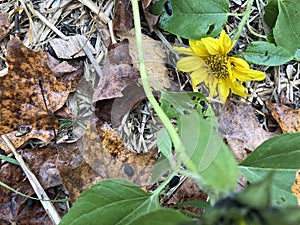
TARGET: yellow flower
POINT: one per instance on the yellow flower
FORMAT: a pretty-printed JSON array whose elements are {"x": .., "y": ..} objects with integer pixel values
[{"x": 209, "y": 62}]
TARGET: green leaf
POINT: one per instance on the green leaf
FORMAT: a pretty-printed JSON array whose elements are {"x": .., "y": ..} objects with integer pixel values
[
  {"x": 257, "y": 195},
  {"x": 176, "y": 104},
  {"x": 163, "y": 164},
  {"x": 161, "y": 217},
  {"x": 280, "y": 154},
  {"x": 194, "y": 203},
  {"x": 110, "y": 202},
  {"x": 9, "y": 159},
  {"x": 264, "y": 53},
  {"x": 282, "y": 181},
  {"x": 208, "y": 152},
  {"x": 164, "y": 144},
  {"x": 192, "y": 19},
  {"x": 297, "y": 55},
  {"x": 271, "y": 13},
  {"x": 204, "y": 147},
  {"x": 161, "y": 167},
  {"x": 287, "y": 30}
]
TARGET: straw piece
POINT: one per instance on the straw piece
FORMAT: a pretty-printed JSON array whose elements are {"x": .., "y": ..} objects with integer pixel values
[
  {"x": 95, "y": 9},
  {"x": 37, "y": 187}
]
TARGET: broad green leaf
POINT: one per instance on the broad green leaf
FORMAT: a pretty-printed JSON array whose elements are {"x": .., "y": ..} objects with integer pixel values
[
  {"x": 176, "y": 104},
  {"x": 257, "y": 195},
  {"x": 297, "y": 55},
  {"x": 110, "y": 202},
  {"x": 164, "y": 144},
  {"x": 192, "y": 19},
  {"x": 162, "y": 217},
  {"x": 282, "y": 181},
  {"x": 264, "y": 53},
  {"x": 208, "y": 152},
  {"x": 287, "y": 29},
  {"x": 163, "y": 164},
  {"x": 280, "y": 154},
  {"x": 161, "y": 167},
  {"x": 271, "y": 13}
]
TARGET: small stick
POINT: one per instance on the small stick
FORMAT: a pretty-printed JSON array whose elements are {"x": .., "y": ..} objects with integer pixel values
[{"x": 37, "y": 187}]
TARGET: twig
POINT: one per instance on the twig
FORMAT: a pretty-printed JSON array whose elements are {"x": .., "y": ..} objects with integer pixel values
[{"x": 37, "y": 187}]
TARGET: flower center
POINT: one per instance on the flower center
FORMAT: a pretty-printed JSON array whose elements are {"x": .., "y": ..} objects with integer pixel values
[{"x": 217, "y": 64}]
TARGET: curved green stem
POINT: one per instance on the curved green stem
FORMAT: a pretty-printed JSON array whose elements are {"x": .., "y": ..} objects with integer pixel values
[
  {"x": 244, "y": 20},
  {"x": 179, "y": 148},
  {"x": 167, "y": 123},
  {"x": 254, "y": 33}
]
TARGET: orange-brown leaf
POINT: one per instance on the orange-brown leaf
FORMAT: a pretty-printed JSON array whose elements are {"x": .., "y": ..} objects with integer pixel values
[
  {"x": 287, "y": 118},
  {"x": 22, "y": 91}
]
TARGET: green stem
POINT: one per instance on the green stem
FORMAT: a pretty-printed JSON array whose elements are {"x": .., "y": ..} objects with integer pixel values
[
  {"x": 167, "y": 123},
  {"x": 254, "y": 33},
  {"x": 179, "y": 148},
  {"x": 33, "y": 198},
  {"x": 244, "y": 20}
]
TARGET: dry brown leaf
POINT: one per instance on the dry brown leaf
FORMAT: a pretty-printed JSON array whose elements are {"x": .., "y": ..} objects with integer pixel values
[
  {"x": 14, "y": 207},
  {"x": 41, "y": 162},
  {"x": 187, "y": 191},
  {"x": 154, "y": 55},
  {"x": 105, "y": 153},
  {"x": 240, "y": 128},
  {"x": 30, "y": 94},
  {"x": 287, "y": 118},
  {"x": 75, "y": 173},
  {"x": 4, "y": 24},
  {"x": 69, "y": 49},
  {"x": 296, "y": 186},
  {"x": 11, "y": 202},
  {"x": 117, "y": 72},
  {"x": 150, "y": 18},
  {"x": 123, "y": 19}
]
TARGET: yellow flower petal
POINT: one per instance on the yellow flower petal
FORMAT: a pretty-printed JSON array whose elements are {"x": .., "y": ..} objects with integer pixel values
[
  {"x": 238, "y": 89},
  {"x": 235, "y": 86},
  {"x": 242, "y": 71},
  {"x": 187, "y": 51},
  {"x": 238, "y": 62},
  {"x": 198, "y": 76},
  {"x": 248, "y": 74},
  {"x": 223, "y": 89},
  {"x": 212, "y": 86},
  {"x": 190, "y": 63},
  {"x": 225, "y": 43},
  {"x": 198, "y": 48},
  {"x": 212, "y": 45}
]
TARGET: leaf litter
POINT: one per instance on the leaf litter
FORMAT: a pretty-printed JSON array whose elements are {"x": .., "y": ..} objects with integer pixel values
[{"x": 75, "y": 173}]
